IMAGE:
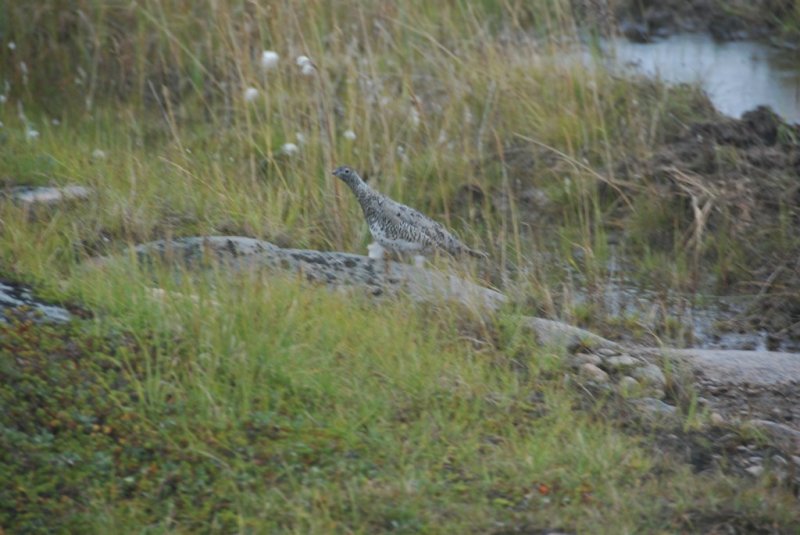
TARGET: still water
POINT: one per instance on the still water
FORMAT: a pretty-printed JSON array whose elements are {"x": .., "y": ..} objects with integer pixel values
[{"x": 737, "y": 75}]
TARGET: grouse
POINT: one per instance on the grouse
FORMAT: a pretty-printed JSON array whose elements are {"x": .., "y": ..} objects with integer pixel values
[{"x": 400, "y": 228}]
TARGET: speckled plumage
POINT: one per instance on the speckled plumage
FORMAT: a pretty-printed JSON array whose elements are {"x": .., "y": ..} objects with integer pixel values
[{"x": 398, "y": 227}]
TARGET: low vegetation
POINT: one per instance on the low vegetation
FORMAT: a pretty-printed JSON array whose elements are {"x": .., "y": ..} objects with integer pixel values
[{"x": 260, "y": 404}]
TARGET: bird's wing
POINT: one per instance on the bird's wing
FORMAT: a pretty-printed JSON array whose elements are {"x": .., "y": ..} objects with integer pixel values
[{"x": 432, "y": 232}]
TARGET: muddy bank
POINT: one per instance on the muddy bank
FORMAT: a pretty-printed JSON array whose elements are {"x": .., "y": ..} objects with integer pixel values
[
  {"x": 736, "y": 183},
  {"x": 717, "y": 197},
  {"x": 777, "y": 21}
]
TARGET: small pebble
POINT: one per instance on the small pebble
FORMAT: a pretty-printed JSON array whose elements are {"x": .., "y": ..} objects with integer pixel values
[
  {"x": 622, "y": 362},
  {"x": 583, "y": 358},
  {"x": 628, "y": 384},
  {"x": 777, "y": 459},
  {"x": 651, "y": 374},
  {"x": 656, "y": 407},
  {"x": 594, "y": 373},
  {"x": 755, "y": 471},
  {"x": 607, "y": 352}
]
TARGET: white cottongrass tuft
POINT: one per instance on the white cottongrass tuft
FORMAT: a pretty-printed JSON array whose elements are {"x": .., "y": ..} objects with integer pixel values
[
  {"x": 289, "y": 149},
  {"x": 269, "y": 60},
  {"x": 12, "y": 45},
  {"x": 31, "y": 134},
  {"x": 415, "y": 119},
  {"x": 301, "y": 138},
  {"x": 250, "y": 94},
  {"x": 306, "y": 65},
  {"x": 1, "y": 124},
  {"x": 349, "y": 134},
  {"x": 3, "y": 99},
  {"x": 98, "y": 154}
]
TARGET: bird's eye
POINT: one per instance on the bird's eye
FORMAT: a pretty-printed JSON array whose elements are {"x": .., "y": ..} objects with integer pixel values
[{"x": 347, "y": 171}]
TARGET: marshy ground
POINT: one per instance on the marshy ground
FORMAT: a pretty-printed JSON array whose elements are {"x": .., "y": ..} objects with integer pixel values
[{"x": 260, "y": 404}]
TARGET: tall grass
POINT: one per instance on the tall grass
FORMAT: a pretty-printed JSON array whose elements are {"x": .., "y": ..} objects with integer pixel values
[{"x": 262, "y": 404}]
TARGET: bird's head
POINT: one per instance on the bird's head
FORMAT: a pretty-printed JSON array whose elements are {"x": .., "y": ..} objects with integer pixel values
[{"x": 345, "y": 173}]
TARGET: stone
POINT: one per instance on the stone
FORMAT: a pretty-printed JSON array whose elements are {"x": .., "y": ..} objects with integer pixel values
[
  {"x": 734, "y": 367},
  {"x": 622, "y": 363},
  {"x": 590, "y": 371},
  {"x": 584, "y": 358},
  {"x": 46, "y": 196},
  {"x": 607, "y": 352},
  {"x": 651, "y": 374},
  {"x": 654, "y": 407},
  {"x": 787, "y": 437},
  {"x": 716, "y": 418},
  {"x": 628, "y": 385},
  {"x": 779, "y": 461},
  {"x": 755, "y": 470}
]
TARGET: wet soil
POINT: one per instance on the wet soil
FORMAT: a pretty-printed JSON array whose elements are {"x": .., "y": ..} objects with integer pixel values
[
  {"x": 739, "y": 180},
  {"x": 728, "y": 191},
  {"x": 645, "y": 20}
]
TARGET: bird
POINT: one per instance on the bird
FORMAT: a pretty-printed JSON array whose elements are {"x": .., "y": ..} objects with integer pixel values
[{"x": 400, "y": 228}]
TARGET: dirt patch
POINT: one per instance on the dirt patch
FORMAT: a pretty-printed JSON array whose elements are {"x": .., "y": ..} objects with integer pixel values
[
  {"x": 645, "y": 20},
  {"x": 737, "y": 182}
]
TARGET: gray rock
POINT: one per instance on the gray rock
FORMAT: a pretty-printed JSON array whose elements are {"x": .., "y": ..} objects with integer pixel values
[
  {"x": 755, "y": 470},
  {"x": 46, "y": 196},
  {"x": 727, "y": 367},
  {"x": 334, "y": 268},
  {"x": 607, "y": 352},
  {"x": 787, "y": 437},
  {"x": 558, "y": 334},
  {"x": 720, "y": 369},
  {"x": 15, "y": 295},
  {"x": 622, "y": 363},
  {"x": 627, "y": 385},
  {"x": 590, "y": 371},
  {"x": 584, "y": 358},
  {"x": 650, "y": 374},
  {"x": 654, "y": 407},
  {"x": 779, "y": 461}
]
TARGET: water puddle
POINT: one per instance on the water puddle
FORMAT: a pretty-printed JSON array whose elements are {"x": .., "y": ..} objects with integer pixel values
[
  {"x": 653, "y": 315},
  {"x": 737, "y": 76},
  {"x": 14, "y": 295}
]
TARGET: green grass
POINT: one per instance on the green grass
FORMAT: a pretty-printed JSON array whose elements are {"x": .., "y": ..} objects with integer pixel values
[
  {"x": 258, "y": 404},
  {"x": 265, "y": 405}
]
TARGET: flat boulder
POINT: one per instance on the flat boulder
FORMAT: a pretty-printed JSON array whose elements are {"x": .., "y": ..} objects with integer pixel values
[{"x": 725, "y": 366}]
